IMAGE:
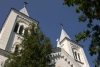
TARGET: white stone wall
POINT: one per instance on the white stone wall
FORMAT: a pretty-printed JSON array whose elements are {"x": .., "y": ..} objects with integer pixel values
[
  {"x": 6, "y": 31},
  {"x": 15, "y": 37},
  {"x": 63, "y": 59},
  {"x": 7, "y": 35},
  {"x": 84, "y": 59},
  {"x": 62, "y": 63},
  {"x": 67, "y": 47},
  {"x": 2, "y": 60}
]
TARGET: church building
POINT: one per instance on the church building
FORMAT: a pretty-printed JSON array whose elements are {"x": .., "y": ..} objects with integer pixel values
[{"x": 68, "y": 53}]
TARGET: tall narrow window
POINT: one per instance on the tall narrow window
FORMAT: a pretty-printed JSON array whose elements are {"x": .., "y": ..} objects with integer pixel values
[
  {"x": 75, "y": 56},
  {"x": 73, "y": 52},
  {"x": 21, "y": 30},
  {"x": 16, "y": 48},
  {"x": 79, "y": 56},
  {"x": 16, "y": 27}
]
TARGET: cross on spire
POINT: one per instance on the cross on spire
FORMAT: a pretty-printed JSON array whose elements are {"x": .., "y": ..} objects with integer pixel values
[
  {"x": 23, "y": 10},
  {"x": 61, "y": 25},
  {"x": 25, "y": 3}
]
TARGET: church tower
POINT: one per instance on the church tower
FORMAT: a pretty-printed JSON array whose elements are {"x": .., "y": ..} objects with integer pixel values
[
  {"x": 68, "y": 53},
  {"x": 13, "y": 28}
]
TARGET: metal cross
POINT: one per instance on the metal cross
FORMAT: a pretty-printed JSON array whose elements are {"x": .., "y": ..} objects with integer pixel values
[
  {"x": 61, "y": 25},
  {"x": 25, "y": 3}
]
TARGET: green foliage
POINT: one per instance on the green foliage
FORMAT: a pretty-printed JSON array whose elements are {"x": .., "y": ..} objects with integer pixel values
[
  {"x": 35, "y": 48},
  {"x": 90, "y": 10}
]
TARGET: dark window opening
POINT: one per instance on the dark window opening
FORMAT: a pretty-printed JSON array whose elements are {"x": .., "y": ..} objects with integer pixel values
[
  {"x": 78, "y": 56},
  {"x": 16, "y": 48},
  {"x": 75, "y": 55},
  {"x": 21, "y": 30},
  {"x": 16, "y": 27}
]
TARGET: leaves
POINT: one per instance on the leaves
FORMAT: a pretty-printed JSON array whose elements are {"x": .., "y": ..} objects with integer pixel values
[
  {"x": 35, "y": 49},
  {"x": 90, "y": 10}
]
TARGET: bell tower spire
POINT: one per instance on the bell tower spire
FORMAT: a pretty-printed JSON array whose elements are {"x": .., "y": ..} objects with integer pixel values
[
  {"x": 73, "y": 49},
  {"x": 23, "y": 10},
  {"x": 63, "y": 34}
]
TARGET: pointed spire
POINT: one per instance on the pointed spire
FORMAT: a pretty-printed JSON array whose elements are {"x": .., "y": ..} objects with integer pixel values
[
  {"x": 23, "y": 10},
  {"x": 63, "y": 34}
]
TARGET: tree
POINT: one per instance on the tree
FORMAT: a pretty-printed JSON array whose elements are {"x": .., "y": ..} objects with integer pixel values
[
  {"x": 34, "y": 50},
  {"x": 90, "y": 11}
]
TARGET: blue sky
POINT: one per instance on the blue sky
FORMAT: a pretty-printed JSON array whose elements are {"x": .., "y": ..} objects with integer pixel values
[{"x": 50, "y": 13}]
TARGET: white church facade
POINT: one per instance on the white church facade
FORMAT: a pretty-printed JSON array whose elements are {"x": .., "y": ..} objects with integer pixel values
[{"x": 67, "y": 53}]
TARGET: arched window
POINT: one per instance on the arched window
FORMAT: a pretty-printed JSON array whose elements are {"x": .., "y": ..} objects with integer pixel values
[
  {"x": 16, "y": 48},
  {"x": 21, "y": 30},
  {"x": 16, "y": 27},
  {"x": 76, "y": 54}
]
